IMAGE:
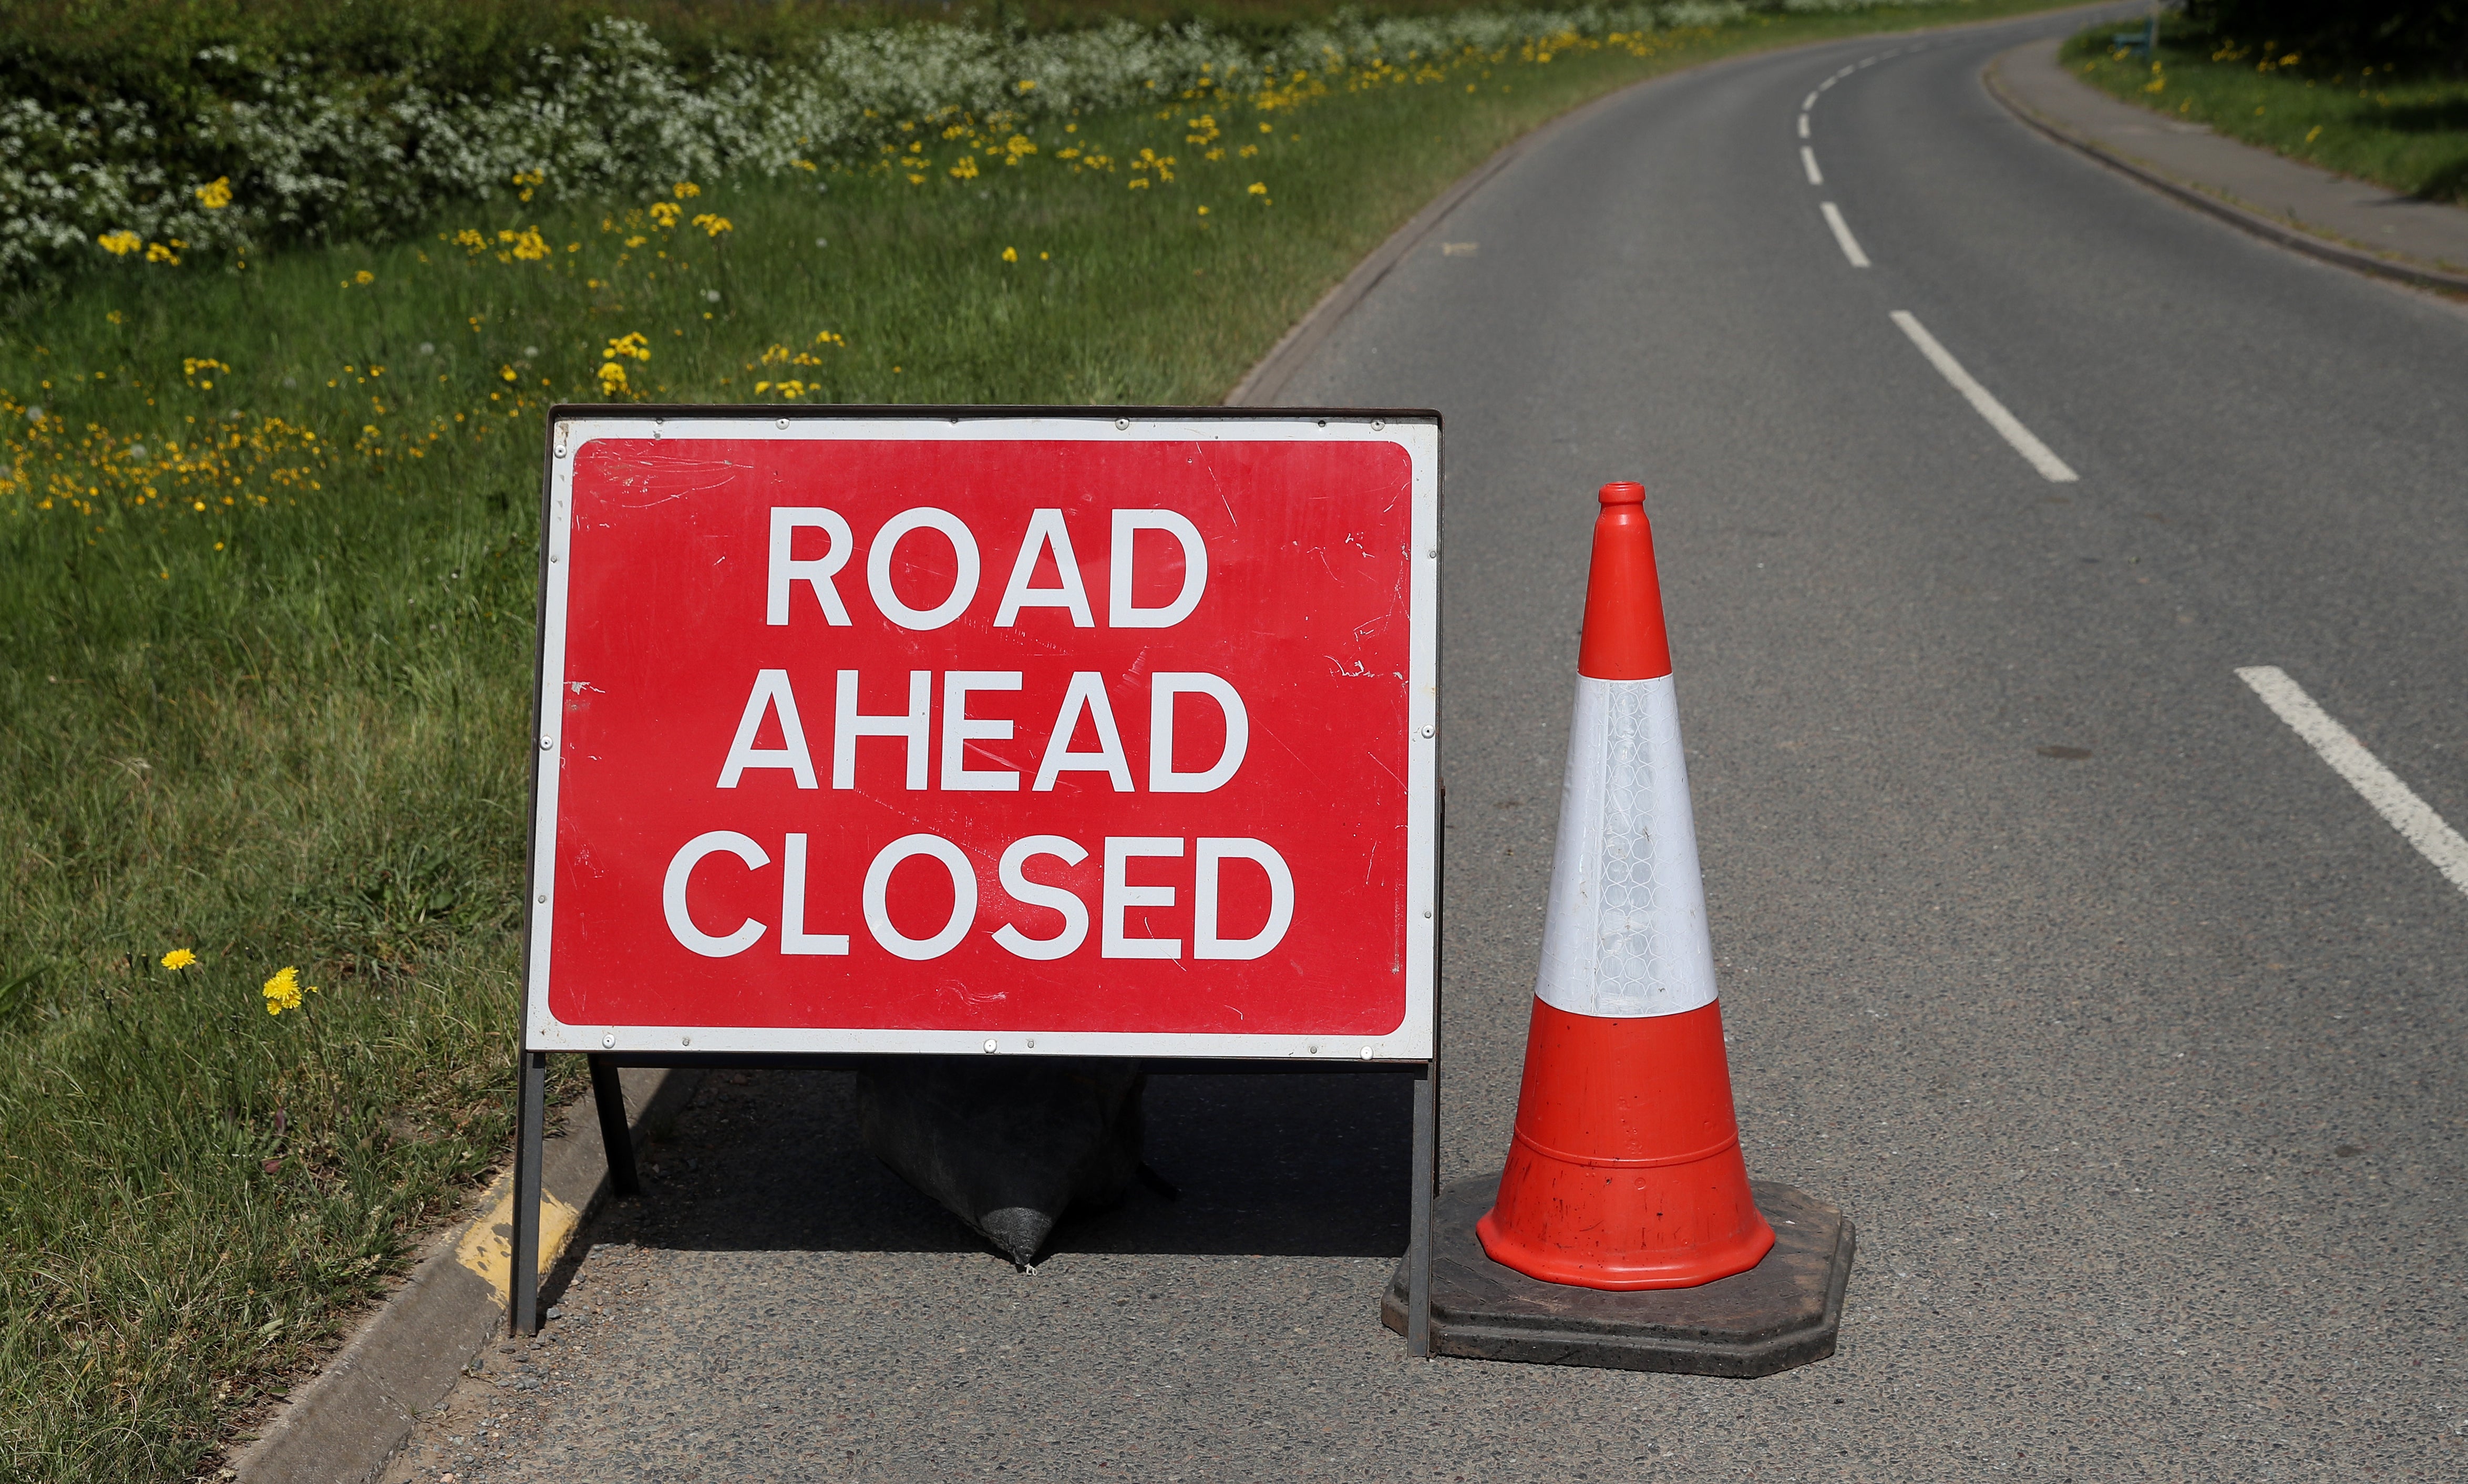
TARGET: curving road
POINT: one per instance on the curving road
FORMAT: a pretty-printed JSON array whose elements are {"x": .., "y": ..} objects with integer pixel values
[{"x": 2126, "y": 1027}]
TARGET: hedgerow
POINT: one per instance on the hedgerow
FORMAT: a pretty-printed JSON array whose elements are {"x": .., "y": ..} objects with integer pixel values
[{"x": 255, "y": 146}]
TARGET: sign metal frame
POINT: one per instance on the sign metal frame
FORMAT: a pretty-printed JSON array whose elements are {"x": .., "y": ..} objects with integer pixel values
[{"x": 1412, "y": 1049}]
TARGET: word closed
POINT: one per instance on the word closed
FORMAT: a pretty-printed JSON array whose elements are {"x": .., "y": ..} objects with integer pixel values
[{"x": 871, "y": 733}]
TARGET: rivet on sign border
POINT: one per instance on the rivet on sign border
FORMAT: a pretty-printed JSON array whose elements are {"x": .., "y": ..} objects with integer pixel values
[
  {"x": 1313, "y": 1050},
  {"x": 1377, "y": 424},
  {"x": 609, "y": 1040},
  {"x": 783, "y": 422},
  {"x": 990, "y": 1046},
  {"x": 544, "y": 899},
  {"x": 1427, "y": 731},
  {"x": 546, "y": 742},
  {"x": 685, "y": 1041},
  {"x": 1367, "y": 1053},
  {"x": 1121, "y": 424}
]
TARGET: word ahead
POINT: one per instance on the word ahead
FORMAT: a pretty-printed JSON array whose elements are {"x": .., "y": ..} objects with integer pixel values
[{"x": 1035, "y": 733}]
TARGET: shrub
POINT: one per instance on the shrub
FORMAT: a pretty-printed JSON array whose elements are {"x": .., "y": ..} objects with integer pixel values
[{"x": 2414, "y": 34}]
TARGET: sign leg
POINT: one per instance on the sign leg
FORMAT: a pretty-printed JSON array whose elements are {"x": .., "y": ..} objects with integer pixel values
[
  {"x": 616, "y": 1136},
  {"x": 1418, "y": 1250},
  {"x": 532, "y": 1114}
]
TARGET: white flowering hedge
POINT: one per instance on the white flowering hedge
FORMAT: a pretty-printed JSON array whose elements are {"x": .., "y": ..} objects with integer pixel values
[{"x": 289, "y": 152}]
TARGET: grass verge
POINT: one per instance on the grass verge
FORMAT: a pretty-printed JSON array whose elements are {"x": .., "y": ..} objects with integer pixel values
[
  {"x": 2407, "y": 131},
  {"x": 268, "y": 631}
]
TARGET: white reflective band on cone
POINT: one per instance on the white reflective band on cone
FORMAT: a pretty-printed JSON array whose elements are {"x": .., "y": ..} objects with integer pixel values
[{"x": 1625, "y": 934}]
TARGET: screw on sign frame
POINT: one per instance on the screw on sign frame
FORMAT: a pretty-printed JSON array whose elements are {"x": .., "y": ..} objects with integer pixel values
[{"x": 878, "y": 730}]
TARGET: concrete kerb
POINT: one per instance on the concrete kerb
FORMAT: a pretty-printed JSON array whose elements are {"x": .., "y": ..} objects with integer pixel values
[
  {"x": 2286, "y": 234},
  {"x": 341, "y": 1427}
]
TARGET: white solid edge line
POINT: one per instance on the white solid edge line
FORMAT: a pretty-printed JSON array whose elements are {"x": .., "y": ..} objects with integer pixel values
[
  {"x": 1808, "y": 160},
  {"x": 1803, "y": 125},
  {"x": 2050, "y": 466},
  {"x": 2395, "y": 801},
  {"x": 1808, "y": 102},
  {"x": 1842, "y": 236}
]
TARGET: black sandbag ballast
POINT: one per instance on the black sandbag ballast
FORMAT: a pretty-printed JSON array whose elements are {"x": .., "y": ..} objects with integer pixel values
[{"x": 1007, "y": 1146}]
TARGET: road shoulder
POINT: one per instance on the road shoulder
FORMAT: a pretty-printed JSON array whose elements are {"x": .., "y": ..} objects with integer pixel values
[
  {"x": 2351, "y": 223},
  {"x": 406, "y": 1356}
]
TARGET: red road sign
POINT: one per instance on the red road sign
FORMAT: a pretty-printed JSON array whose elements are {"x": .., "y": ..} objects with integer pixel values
[{"x": 1051, "y": 733}]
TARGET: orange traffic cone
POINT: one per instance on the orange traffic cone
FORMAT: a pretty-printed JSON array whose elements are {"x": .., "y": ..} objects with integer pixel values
[{"x": 1623, "y": 1172}]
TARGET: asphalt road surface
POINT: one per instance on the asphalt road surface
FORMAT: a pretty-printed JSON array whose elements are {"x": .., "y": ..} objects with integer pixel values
[{"x": 2126, "y": 1029}]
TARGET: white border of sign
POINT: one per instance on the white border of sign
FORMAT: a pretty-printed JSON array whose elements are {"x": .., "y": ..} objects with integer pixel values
[{"x": 1414, "y": 1039}]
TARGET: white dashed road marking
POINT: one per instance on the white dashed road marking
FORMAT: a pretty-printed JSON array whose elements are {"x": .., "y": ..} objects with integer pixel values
[
  {"x": 2395, "y": 801},
  {"x": 1808, "y": 162},
  {"x": 2050, "y": 466},
  {"x": 1842, "y": 236}
]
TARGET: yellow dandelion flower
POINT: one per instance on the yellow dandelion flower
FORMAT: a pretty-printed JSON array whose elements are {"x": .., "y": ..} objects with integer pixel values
[
  {"x": 687, "y": 188},
  {"x": 214, "y": 194},
  {"x": 120, "y": 244},
  {"x": 364, "y": 276},
  {"x": 283, "y": 992},
  {"x": 713, "y": 223},
  {"x": 178, "y": 959},
  {"x": 1259, "y": 188},
  {"x": 1010, "y": 255}
]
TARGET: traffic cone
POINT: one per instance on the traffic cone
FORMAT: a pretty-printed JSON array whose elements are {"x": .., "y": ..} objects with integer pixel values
[{"x": 1623, "y": 1172}]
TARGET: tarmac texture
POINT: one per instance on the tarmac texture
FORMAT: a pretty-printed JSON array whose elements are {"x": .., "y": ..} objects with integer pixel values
[
  {"x": 2342, "y": 208},
  {"x": 2127, "y": 1032}
]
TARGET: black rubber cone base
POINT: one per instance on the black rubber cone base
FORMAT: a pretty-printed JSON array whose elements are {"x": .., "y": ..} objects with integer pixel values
[{"x": 1782, "y": 1313}]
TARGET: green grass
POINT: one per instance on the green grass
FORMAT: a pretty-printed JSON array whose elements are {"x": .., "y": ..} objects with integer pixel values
[
  {"x": 2404, "y": 130},
  {"x": 289, "y": 728}
]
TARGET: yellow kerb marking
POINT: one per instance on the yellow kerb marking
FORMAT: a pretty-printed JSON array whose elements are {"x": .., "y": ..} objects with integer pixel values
[{"x": 488, "y": 1247}]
